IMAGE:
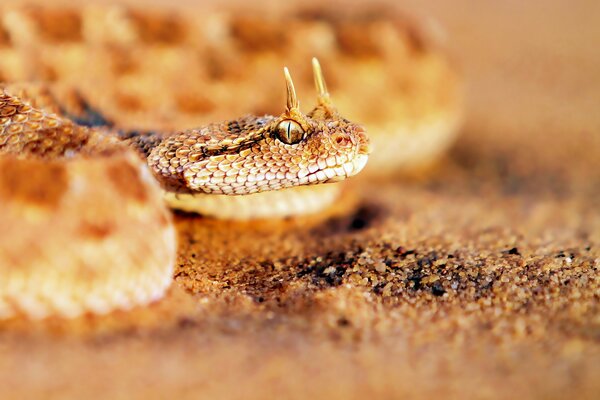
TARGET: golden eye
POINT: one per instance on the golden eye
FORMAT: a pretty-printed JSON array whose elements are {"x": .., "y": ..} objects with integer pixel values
[{"x": 289, "y": 132}]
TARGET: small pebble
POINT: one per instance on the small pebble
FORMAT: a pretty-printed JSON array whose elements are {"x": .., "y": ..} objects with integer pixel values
[{"x": 380, "y": 267}]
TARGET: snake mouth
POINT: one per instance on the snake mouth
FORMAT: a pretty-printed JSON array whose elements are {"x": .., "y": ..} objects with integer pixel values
[
  {"x": 358, "y": 163},
  {"x": 337, "y": 173}
]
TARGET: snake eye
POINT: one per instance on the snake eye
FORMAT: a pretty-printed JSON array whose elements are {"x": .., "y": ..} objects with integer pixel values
[{"x": 289, "y": 132}]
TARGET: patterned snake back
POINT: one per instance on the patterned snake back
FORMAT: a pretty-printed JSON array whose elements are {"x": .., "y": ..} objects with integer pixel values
[{"x": 87, "y": 156}]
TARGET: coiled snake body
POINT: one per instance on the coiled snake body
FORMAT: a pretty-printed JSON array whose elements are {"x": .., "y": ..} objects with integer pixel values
[
  {"x": 84, "y": 227},
  {"x": 243, "y": 156}
]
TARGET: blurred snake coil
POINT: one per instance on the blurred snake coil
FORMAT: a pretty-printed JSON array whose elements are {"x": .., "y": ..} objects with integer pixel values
[{"x": 84, "y": 225}]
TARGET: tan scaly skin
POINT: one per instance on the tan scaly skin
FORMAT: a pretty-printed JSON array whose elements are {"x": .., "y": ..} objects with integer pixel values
[
  {"x": 148, "y": 68},
  {"x": 258, "y": 154},
  {"x": 83, "y": 228},
  {"x": 169, "y": 68}
]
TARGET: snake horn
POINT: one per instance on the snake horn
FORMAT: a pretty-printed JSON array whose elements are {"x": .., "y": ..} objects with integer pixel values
[
  {"x": 319, "y": 80},
  {"x": 292, "y": 99}
]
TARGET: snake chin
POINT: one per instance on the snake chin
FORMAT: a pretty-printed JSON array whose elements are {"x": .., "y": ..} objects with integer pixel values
[
  {"x": 294, "y": 201},
  {"x": 306, "y": 198},
  {"x": 359, "y": 162}
]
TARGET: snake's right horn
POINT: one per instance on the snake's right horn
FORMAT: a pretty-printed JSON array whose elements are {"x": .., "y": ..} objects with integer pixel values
[{"x": 319, "y": 80}]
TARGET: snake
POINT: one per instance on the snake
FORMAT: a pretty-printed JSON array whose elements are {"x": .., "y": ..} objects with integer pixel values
[{"x": 88, "y": 173}]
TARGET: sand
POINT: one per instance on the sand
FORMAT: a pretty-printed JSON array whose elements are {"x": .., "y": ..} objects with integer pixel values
[{"x": 477, "y": 279}]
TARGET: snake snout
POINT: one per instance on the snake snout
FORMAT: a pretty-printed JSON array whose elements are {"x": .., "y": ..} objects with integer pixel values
[{"x": 364, "y": 144}]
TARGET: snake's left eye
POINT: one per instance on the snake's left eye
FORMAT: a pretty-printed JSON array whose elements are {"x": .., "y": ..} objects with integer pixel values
[{"x": 289, "y": 132}]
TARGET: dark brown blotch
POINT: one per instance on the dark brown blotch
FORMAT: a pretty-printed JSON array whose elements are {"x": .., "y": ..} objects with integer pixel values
[
  {"x": 415, "y": 38},
  {"x": 95, "y": 230},
  {"x": 129, "y": 102},
  {"x": 256, "y": 34},
  {"x": 158, "y": 28},
  {"x": 38, "y": 183},
  {"x": 194, "y": 103},
  {"x": 354, "y": 30},
  {"x": 355, "y": 40},
  {"x": 5, "y": 40},
  {"x": 126, "y": 179},
  {"x": 122, "y": 60},
  {"x": 47, "y": 73},
  {"x": 58, "y": 25}
]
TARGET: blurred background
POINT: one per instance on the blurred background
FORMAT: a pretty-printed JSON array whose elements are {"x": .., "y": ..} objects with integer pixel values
[{"x": 527, "y": 69}]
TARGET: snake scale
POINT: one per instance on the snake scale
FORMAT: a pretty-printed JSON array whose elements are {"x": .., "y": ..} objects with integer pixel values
[{"x": 86, "y": 164}]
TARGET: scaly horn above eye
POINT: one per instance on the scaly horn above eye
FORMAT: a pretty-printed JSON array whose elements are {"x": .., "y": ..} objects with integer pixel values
[
  {"x": 319, "y": 79},
  {"x": 292, "y": 100}
]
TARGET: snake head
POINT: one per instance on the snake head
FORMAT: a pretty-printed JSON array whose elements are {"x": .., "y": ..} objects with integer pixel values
[
  {"x": 257, "y": 154},
  {"x": 325, "y": 146}
]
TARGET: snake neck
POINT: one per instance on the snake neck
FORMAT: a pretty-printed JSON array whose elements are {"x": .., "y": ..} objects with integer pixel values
[{"x": 143, "y": 142}]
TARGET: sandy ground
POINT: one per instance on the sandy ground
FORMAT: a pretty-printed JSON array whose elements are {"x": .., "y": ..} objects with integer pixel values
[{"x": 479, "y": 280}]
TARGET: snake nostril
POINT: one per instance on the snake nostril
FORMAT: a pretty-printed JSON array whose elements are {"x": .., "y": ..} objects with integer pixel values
[{"x": 340, "y": 139}]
